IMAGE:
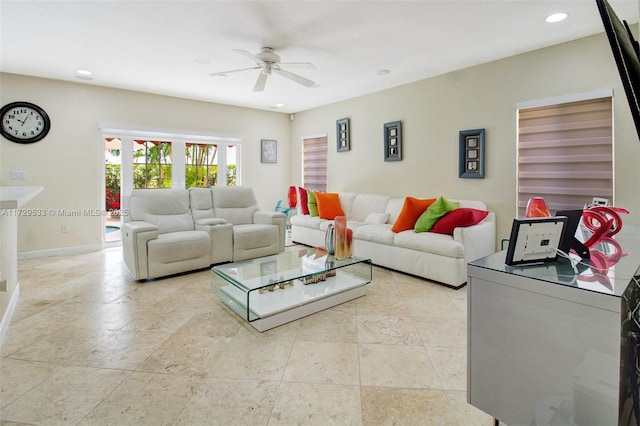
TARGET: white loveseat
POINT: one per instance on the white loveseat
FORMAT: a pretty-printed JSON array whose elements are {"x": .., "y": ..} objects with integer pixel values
[
  {"x": 169, "y": 231},
  {"x": 438, "y": 257}
]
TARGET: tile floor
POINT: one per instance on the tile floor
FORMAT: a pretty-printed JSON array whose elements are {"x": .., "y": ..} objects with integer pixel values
[{"x": 88, "y": 346}]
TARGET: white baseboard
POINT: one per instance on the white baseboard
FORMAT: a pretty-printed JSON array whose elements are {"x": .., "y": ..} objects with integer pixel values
[
  {"x": 63, "y": 251},
  {"x": 8, "y": 313}
]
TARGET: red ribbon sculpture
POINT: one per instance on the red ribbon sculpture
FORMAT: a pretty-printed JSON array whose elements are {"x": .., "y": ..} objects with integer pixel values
[{"x": 604, "y": 222}]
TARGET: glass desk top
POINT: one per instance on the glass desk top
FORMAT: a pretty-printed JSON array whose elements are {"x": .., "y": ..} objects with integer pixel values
[{"x": 612, "y": 266}]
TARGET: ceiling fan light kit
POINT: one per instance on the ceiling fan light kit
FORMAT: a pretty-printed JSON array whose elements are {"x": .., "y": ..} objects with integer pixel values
[{"x": 267, "y": 61}]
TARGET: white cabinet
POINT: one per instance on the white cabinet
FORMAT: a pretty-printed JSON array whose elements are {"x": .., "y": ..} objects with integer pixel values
[{"x": 544, "y": 342}]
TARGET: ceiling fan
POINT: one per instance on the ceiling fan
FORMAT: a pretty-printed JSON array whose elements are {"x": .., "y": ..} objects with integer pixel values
[{"x": 267, "y": 60}]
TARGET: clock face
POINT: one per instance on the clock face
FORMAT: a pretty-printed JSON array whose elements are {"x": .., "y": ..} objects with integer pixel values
[{"x": 24, "y": 122}]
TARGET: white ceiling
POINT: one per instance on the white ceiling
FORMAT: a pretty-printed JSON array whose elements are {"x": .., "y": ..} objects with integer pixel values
[{"x": 171, "y": 47}]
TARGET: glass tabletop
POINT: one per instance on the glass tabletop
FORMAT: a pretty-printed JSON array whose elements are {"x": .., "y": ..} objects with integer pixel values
[
  {"x": 282, "y": 267},
  {"x": 613, "y": 265}
]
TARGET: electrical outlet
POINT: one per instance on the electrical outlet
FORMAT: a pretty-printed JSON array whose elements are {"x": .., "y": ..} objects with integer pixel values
[
  {"x": 64, "y": 229},
  {"x": 3, "y": 285},
  {"x": 18, "y": 174}
]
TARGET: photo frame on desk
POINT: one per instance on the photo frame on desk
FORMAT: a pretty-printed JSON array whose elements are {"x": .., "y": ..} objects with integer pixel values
[
  {"x": 471, "y": 153},
  {"x": 535, "y": 240}
]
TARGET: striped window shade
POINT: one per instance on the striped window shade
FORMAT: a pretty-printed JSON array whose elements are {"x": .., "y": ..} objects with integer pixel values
[
  {"x": 315, "y": 164},
  {"x": 565, "y": 154}
]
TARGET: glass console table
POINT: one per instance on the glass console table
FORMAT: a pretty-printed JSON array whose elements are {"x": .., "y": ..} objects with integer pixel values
[
  {"x": 273, "y": 290},
  {"x": 548, "y": 344}
]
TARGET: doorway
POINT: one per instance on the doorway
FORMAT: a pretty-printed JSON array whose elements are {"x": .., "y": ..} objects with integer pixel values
[{"x": 113, "y": 179}]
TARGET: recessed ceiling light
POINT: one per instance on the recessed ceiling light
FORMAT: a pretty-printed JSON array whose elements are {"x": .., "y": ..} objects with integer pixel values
[
  {"x": 279, "y": 105},
  {"x": 84, "y": 72},
  {"x": 383, "y": 72},
  {"x": 557, "y": 17}
]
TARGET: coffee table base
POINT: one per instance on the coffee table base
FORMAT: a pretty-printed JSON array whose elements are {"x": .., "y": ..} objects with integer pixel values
[{"x": 267, "y": 323}]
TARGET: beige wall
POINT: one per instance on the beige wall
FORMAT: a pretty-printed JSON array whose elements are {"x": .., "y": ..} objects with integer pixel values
[
  {"x": 433, "y": 111},
  {"x": 68, "y": 161}
]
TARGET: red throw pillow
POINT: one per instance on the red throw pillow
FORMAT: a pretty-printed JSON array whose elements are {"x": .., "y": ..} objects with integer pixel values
[
  {"x": 303, "y": 200},
  {"x": 328, "y": 205},
  {"x": 411, "y": 211},
  {"x": 458, "y": 218}
]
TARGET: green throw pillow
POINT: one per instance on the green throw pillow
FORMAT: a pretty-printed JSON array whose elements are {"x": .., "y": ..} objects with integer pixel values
[
  {"x": 312, "y": 203},
  {"x": 434, "y": 212}
]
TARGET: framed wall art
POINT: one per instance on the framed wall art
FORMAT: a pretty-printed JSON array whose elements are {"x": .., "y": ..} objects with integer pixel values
[
  {"x": 393, "y": 141},
  {"x": 471, "y": 152},
  {"x": 343, "y": 134},
  {"x": 269, "y": 151}
]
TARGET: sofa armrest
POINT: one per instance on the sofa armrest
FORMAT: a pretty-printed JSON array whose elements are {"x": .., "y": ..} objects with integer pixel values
[
  {"x": 273, "y": 218},
  {"x": 209, "y": 221},
  {"x": 221, "y": 233},
  {"x": 478, "y": 240},
  {"x": 135, "y": 236}
]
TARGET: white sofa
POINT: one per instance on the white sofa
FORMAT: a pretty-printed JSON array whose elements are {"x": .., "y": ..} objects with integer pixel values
[
  {"x": 437, "y": 257},
  {"x": 169, "y": 231}
]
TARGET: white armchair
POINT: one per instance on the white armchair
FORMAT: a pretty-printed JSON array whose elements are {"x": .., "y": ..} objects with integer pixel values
[
  {"x": 169, "y": 231},
  {"x": 159, "y": 237}
]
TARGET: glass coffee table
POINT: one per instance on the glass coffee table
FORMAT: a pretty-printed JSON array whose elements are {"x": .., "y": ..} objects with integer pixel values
[{"x": 274, "y": 290}]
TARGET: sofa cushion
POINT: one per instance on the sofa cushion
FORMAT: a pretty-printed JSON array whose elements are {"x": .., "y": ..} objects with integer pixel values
[
  {"x": 201, "y": 203},
  {"x": 235, "y": 204},
  {"x": 328, "y": 205},
  {"x": 168, "y": 209},
  {"x": 303, "y": 200},
  {"x": 458, "y": 218},
  {"x": 364, "y": 204},
  {"x": 177, "y": 246},
  {"x": 429, "y": 242},
  {"x": 434, "y": 212},
  {"x": 251, "y": 236},
  {"x": 311, "y": 203},
  {"x": 411, "y": 211},
  {"x": 377, "y": 233},
  {"x": 376, "y": 218},
  {"x": 306, "y": 221}
]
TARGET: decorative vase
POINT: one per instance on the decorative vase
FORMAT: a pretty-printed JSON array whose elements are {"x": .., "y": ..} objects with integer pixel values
[
  {"x": 330, "y": 239},
  {"x": 292, "y": 196},
  {"x": 537, "y": 207},
  {"x": 341, "y": 237},
  {"x": 349, "y": 242}
]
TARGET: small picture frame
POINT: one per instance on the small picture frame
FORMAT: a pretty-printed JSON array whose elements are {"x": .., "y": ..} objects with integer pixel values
[
  {"x": 471, "y": 153},
  {"x": 269, "y": 151},
  {"x": 535, "y": 240},
  {"x": 343, "y": 135},
  {"x": 393, "y": 141}
]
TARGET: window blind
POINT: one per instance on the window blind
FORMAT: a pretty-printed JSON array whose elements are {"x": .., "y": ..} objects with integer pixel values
[
  {"x": 565, "y": 154},
  {"x": 315, "y": 164}
]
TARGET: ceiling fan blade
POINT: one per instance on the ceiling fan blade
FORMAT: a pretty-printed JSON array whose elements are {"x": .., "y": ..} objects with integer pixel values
[
  {"x": 307, "y": 65},
  {"x": 251, "y": 56},
  {"x": 295, "y": 77},
  {"x": 260, "y": 83},
  {"x": 223, "y": 73}
]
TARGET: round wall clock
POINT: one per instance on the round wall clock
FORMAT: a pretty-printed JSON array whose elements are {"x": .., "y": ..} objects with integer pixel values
[{"x": 24, "y": 122}]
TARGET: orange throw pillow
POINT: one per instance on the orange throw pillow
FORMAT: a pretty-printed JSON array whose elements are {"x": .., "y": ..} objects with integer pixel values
[
  {"x": 328, "y": 205},
  {"x": 411, "y": 211}
]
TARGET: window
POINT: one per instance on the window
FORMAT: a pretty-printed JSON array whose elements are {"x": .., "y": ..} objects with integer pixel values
[
  {"x": 153, "y": 159},
  {"x": 565, "y": 153},
  {"x": 201, "y": 167},
  {"x": 314, "y": 163},
  {"x": 151, "y": 164}
]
